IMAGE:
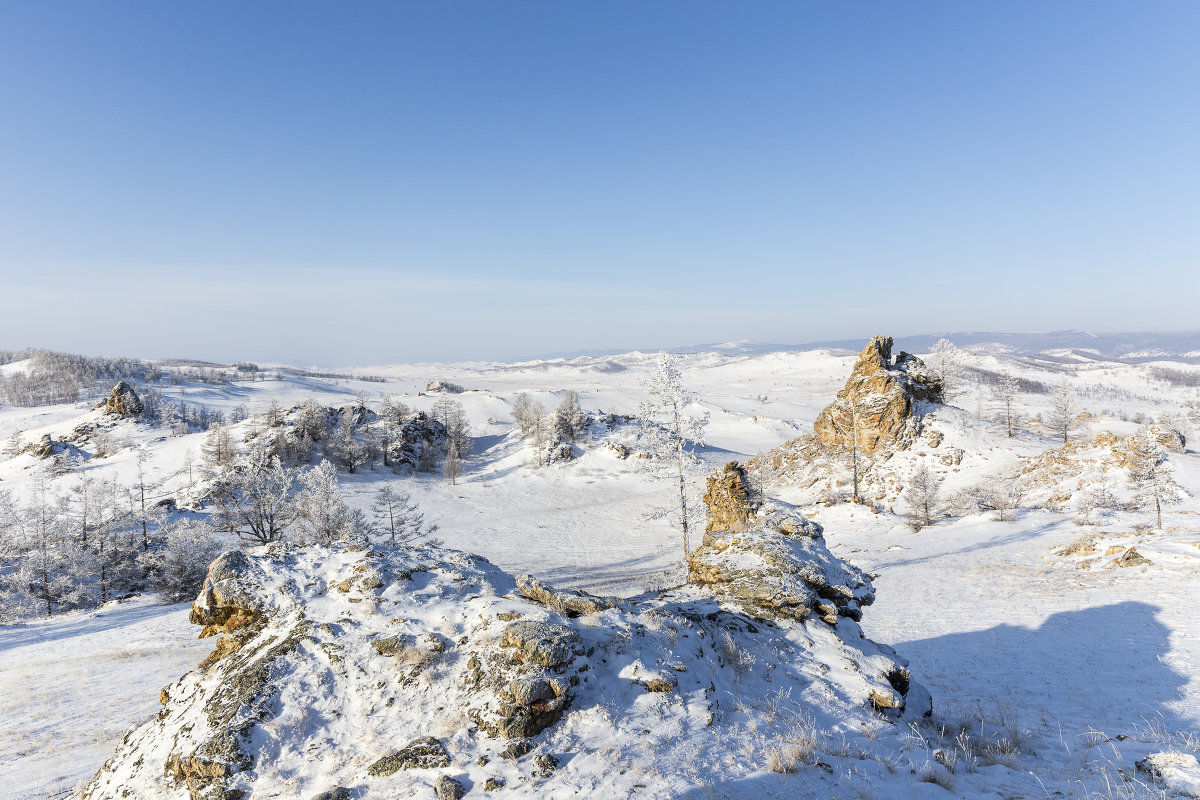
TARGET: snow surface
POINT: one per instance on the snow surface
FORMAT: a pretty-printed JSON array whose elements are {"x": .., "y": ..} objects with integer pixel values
[{"x": 1084, "y": 667}]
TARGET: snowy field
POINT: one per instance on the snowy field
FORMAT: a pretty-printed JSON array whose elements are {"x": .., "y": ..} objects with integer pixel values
[{"x": 1088, "y": 666}]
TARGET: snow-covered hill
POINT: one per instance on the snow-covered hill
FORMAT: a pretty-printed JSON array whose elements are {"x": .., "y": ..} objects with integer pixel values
[{"x": 1038, "y": 652}]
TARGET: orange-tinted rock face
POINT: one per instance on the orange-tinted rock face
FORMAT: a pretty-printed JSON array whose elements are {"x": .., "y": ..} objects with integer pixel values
[{"x": 876, "y": 406}]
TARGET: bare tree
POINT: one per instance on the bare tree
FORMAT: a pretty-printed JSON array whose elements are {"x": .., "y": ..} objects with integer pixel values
[
  {"x": 921, "y": 495},
  {"x": 945, "y": 361},
  {"x": 669, "y": 430},
  {"x": 1061, "y": 418},
  {"x": 398, "y": 517},
  {"x": 256, "y": 500},
  {"x": 1006, "y": 393}
]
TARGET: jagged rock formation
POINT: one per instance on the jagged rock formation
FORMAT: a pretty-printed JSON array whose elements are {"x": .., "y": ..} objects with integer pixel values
[
  {"x": 772, "y": 563},
  {"x": 123, "y": 401},
  {"x": 329, "y": 659},
  {"x": 878, "y": 405},
  {"x": 728, "y": 498}
]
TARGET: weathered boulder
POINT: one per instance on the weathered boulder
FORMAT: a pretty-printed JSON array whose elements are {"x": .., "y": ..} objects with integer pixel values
[
  {"x": 43, "y": 448},
  {"x": 228, "y": 600},
  {"x": 780, "y": 567},
  {"x": 424, "y": 753},
  {"x": 1131, "y": 558},
  {"x": 443, "y": 387},
  {"x": 727, "y": 495},
  {"x": 573, "y": 603},
  {"x": 541, "y": 643},
  {"x": 447, "y": 788},
  {"x": 878, "y": 406},
  {"x": 123, "y": 401}
]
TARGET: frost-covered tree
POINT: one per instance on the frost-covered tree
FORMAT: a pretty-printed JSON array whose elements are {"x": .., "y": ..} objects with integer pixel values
[
  {"x": 669, "y": 432},
  {"x": 847, "y": 426},
  {"x": 451, "y": 415},
  {"x": 322, "y": 514},
  {"x": 945, "y": 361},
  {"x": 218, "y": 449},
  {"x": 256, "y": 500},
  {"x": 391, "y": 426},
  {"x": 13, "y": 445},
  {"x": 1007, "y": 392},
  {"x": 921, "y": 495},
  {"x": 452, "y": 464},
  {"x": 344, "y": 446},
  {"x": 176, "y": 566},
  {"x": 570, "y": 422},
  {"x": 1060, "y": 420},
  {"x": 527, "y": 413},
  {"x": 1151, "y": 475},
  {"x": 398, "y": 517}
]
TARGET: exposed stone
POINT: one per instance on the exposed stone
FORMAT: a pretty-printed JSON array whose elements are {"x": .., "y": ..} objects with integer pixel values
[
  {"x": 390, "y": 645},
  {"x": 336, "y": 793},
  {"x": 572, "y": 603},
  {"x": 227, "y": 601},
  {"x": 492, "y": 784},
  {"x": 727, "y": 495},
  {"x": 445, "y": 387},
  {"x": 878, "y": 405},
  {"x": 659, "y": 685},
  {"x": 1130, "y": 558},
  {"x": 43, "y": 448},
  {"x": 1169, "y": 438},
  {"x": 423, "y": 753},
  {"x": 448, "y": 789},
  {"x": 781, "y": 567},
  {"x": 544, "y": 765},
  {"x": 516, "y": 749},
  {"x": 123, "y": 401},
  {"x": 541, "y": 643}
]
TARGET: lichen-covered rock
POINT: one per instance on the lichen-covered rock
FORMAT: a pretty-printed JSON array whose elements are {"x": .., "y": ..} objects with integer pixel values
[
  {"x": 228, "y": 599},
  {"x": 123, "y": 401},
  {"x": 727, "y": 495},
  {"x": 572, "y": 603},
  {"x": 877, "y": 408},
  {"x": 297, "y": 685},
  {"x": 780, "y": 568},
  {"x": 541, "y": 643},
  {"x": 447, "y": 788},
  {"x": 424, "y": 753},
  {"x": 43, "y": 448}
]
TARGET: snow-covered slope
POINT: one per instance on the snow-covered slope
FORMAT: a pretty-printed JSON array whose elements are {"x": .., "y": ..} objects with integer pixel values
[{"x": 970, "y": 601}]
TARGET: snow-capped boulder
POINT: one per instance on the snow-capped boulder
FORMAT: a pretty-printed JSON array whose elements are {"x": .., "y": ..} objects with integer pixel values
[
  {"x": 879, "y": 405},
  {"x": 780, "y": 567}
]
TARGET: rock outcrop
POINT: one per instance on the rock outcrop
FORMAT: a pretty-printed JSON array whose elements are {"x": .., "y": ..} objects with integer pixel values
[
  {"x": 778, "y": 566},
  {"x": 320, "y": 675},
  {"x": 123, "y": 401},
  {"x": 729, "y": 501},
  {"x": 879, "y": 405}
]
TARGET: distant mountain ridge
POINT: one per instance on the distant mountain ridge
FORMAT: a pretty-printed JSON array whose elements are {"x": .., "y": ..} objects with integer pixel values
[{"x": 1135, "y": 346}]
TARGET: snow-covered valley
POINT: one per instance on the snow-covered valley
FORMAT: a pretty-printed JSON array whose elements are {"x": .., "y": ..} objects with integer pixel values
[{"x": 1052, "y": 669}]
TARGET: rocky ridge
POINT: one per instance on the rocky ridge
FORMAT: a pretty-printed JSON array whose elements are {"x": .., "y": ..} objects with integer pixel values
[{"x": 329, "y": 660}]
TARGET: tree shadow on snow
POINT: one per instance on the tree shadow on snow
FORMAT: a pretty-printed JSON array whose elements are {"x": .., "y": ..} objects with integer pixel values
[{"x": 1097, "y": 668}]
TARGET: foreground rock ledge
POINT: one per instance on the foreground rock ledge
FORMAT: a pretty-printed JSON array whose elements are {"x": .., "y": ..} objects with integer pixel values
[{"x": 445, "y": 652}]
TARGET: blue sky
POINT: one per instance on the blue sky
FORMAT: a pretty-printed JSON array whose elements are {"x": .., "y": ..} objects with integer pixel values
[{"x": 382, "y": 182}]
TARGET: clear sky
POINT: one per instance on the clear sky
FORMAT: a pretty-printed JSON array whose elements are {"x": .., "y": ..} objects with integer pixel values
[{"x": 363, "y": 182}]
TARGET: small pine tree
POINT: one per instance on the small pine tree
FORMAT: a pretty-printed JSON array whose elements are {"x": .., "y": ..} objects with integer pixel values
[
  {"x": 1151, "y": 474},
  {"x": 570, "y": 422}
]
